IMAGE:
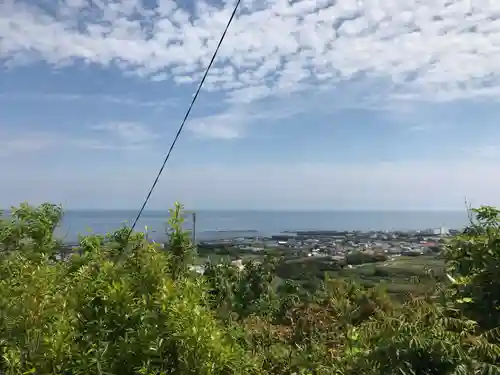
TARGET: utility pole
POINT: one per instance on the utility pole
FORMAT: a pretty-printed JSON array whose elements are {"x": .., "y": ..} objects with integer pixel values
[
  {"x": 194, "y": 228},
  {"x": 193, "y": 225}
]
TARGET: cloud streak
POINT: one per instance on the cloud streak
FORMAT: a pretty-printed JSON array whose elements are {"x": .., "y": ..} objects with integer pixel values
[
  {"x": 117, "y": 136},
  {"x": 128, "y": 133},
  {"x": 69, "y": 97},
  {"x": 440, "y": 49},
  {"x": 10, "y": 146}
]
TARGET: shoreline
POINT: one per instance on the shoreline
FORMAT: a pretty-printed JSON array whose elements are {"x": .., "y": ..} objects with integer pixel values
[{"x": 317, "y": 242}]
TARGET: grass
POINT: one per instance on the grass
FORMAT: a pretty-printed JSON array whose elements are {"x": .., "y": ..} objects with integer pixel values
[{"x": 397, "y": 273}]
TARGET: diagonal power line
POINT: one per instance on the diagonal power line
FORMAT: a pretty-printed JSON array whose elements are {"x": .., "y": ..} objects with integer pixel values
[{"x": 181, "y": 127}]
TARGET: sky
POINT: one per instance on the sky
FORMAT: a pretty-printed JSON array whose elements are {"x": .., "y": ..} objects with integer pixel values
[{"x": 310, "y": 104}]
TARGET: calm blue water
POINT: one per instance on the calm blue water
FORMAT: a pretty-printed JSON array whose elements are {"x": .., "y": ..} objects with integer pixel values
[{"x": 209, "y": 224}]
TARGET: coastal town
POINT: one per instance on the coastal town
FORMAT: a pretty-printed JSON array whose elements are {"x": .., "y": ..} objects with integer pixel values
[{"x": 338, "y": 244}]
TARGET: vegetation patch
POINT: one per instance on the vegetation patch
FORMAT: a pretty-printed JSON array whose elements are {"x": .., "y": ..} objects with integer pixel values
[{"x": 121, "y": 304}]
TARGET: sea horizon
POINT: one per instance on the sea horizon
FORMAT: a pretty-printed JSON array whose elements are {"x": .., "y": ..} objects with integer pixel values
[
  {"x": 230, "y": 223},
  {"x": 310, "y": 210},
  {"x": 220, "y": 224}
]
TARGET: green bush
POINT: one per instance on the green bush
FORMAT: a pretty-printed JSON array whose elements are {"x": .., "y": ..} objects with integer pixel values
[
  {"x": 358, "y": 257},
  {"x": 120, "y": 304},
  {"x": 110, "y": 310}
]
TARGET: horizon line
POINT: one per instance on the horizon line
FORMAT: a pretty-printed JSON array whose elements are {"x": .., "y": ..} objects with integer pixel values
[{"x": 291, "y": 210}]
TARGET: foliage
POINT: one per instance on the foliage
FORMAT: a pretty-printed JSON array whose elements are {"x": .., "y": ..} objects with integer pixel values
[
  {"x": 30, "y": 228},
  {"x": 241, "y": 292},
  {"x": 120, "y": 304},
  {"x": 474, "y": 265},
  {"x": 179, "y": 243},
  {"x": 358, "y": 257},
  {"x": 101, "y": 314}
]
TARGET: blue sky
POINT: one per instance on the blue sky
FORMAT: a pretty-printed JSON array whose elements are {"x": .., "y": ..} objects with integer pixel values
[{"x": 310, "y": 105}]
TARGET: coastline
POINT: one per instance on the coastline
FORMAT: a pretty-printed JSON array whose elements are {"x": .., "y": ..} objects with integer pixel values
[
  {"x": 226, "y": 225},
  {"x": 320, "y": 242}
]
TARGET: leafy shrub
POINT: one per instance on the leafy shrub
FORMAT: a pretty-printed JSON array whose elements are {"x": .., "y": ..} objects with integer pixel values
[
  {"x": 120, "y": 304},
  {"x": 473, "y": 260},
  {"x": 358, "y": 257},
  {"x": 107, "y": 311}
]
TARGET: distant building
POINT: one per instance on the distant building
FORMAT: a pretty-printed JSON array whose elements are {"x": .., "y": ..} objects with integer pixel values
[
  {"x": 283, "y": 236},
  {"x": 238, "y": 263},
  {"x": 198, "y": 269}
]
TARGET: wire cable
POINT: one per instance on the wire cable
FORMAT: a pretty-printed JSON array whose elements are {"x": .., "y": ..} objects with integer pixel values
[{"x": 139, "y": 214}]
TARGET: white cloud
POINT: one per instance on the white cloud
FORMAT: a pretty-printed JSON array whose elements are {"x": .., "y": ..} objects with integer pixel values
[
  {"x": 442, "y": 49},
  {"x": 228, "y": 124},
  {"x": 29, "y": 143},
  {"x": 125, "y": 136},
  {"x": 402, "y": 185},
  {"x": 222, "y": 126},
  {"x": 69, "y": 97},
  {"x": 127, "y": 133}
]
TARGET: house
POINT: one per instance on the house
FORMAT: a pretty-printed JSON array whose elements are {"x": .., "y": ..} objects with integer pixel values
[{"x": 238, "y": 263}]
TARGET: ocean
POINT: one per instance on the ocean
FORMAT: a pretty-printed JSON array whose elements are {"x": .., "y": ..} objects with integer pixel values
[{"x": 211, "y": 225}]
